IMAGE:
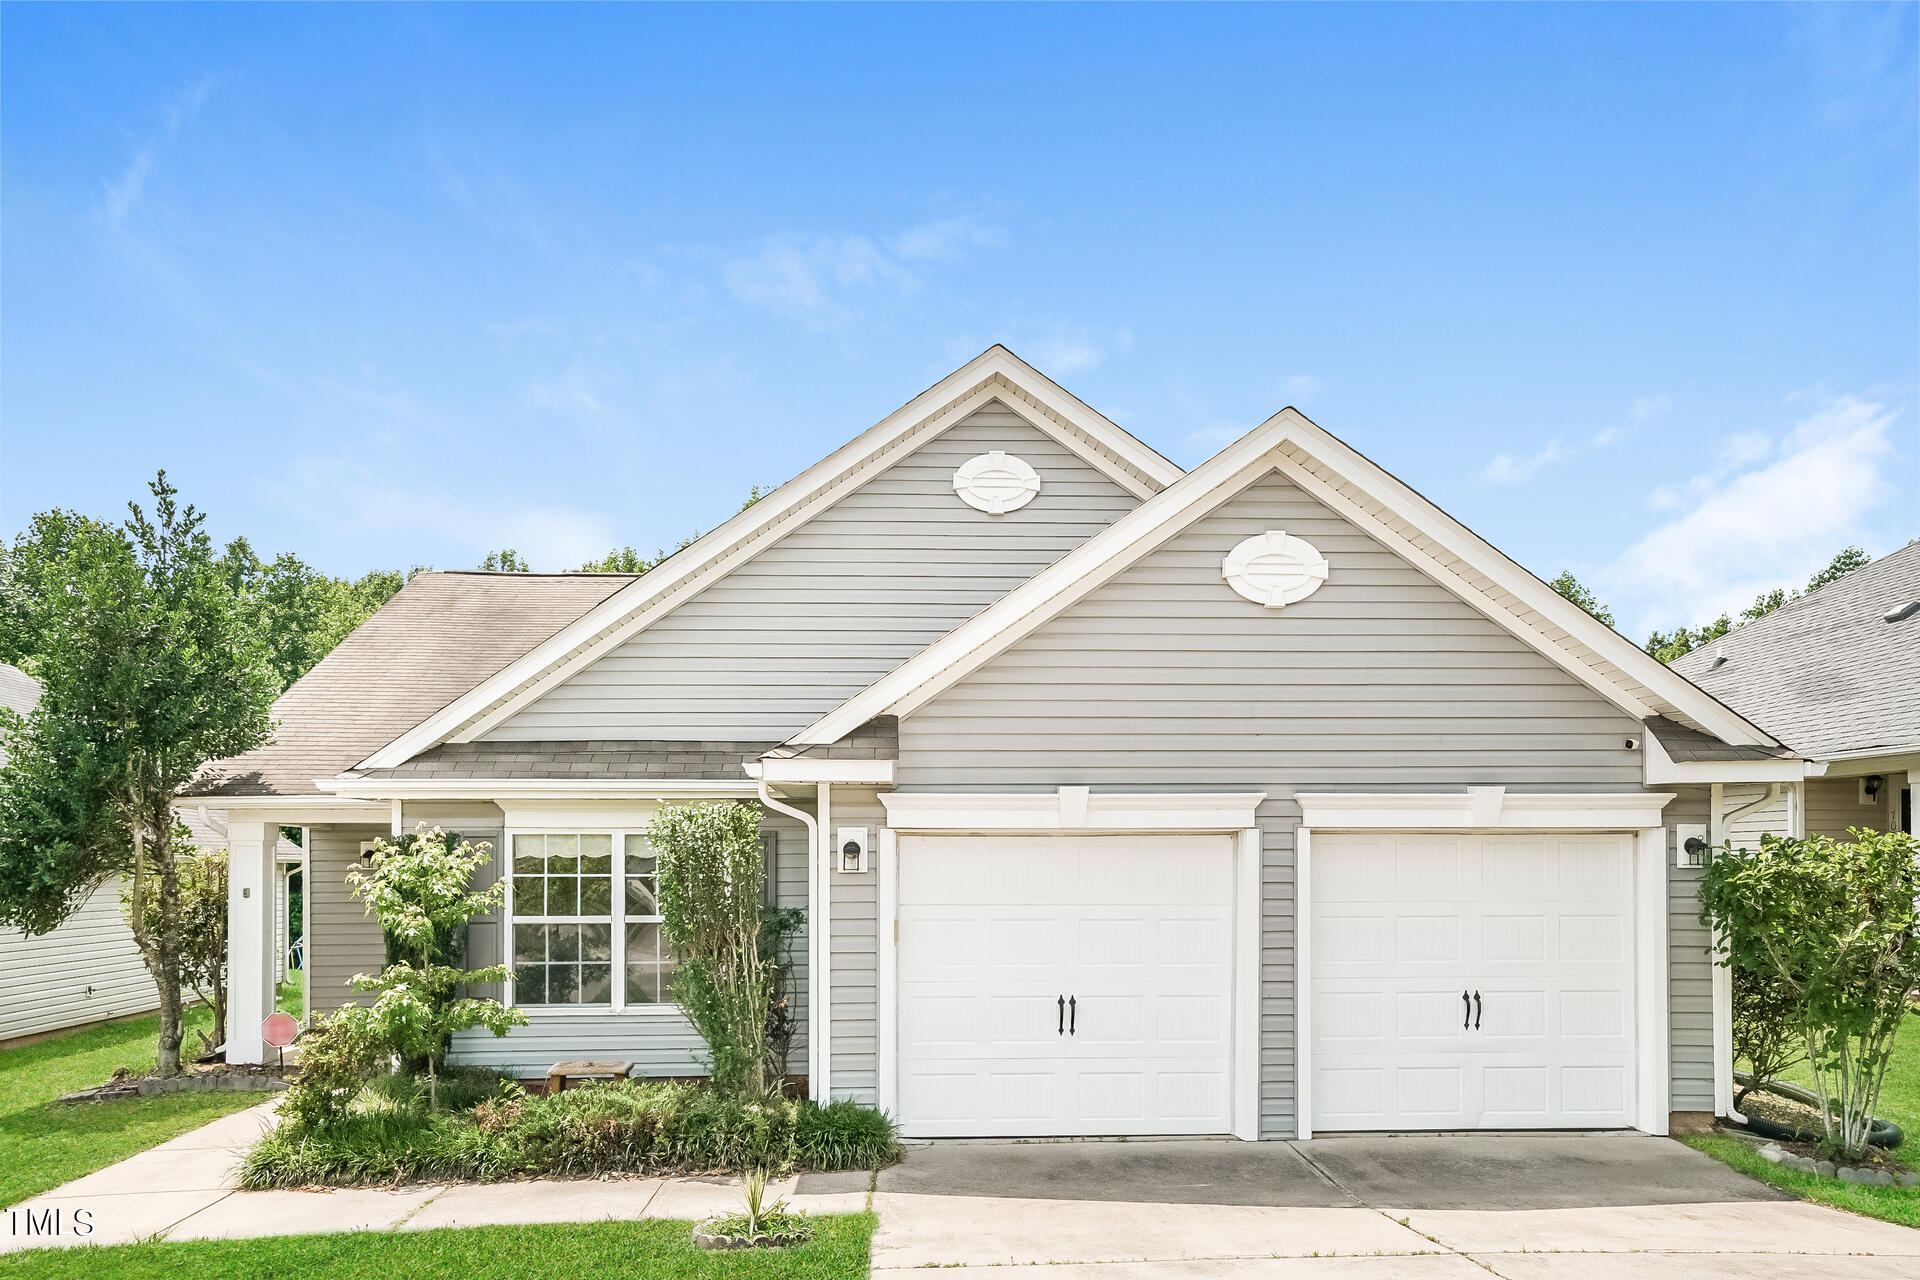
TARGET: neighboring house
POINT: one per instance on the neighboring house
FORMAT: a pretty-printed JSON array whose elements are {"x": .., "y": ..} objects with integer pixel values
[
  {"x": 1835, "y": 674},
  {"x": 208, "y": 830},
  {"x": 1263, "y": 799},
  {"x": 87, "y": 970}
]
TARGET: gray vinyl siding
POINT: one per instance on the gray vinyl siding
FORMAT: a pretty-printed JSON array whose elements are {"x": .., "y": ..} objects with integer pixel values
[
  {"x": 855, "y": 1038},
  {"x": 1164, "y": 679},
  {"x": 839, "y": 602},
  {"x": 1833, "y": 805},
  {"x": 87, "y": 970},
  {"x": 659, "y": 1042},
  {"x": 1689, "y": 967},
  {"x": 343, "y": 939}
]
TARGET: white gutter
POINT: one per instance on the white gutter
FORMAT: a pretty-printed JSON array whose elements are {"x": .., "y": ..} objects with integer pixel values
[
  {"x": 1718, "y": 834},
  {"x": 813, "y": 933}
]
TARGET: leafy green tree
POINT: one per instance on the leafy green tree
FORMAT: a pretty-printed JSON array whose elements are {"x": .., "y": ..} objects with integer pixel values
[
  {"x": 149, "y": 670},
  {"x": 505, "y": 560},
  {"x": 417, "y": 887},
  {"x": 622, "y": 560},
  {"x": 1834, "y": 923},
  {"x": 203, "y": 927},
  {"x": 1573, "y": 589},
  {"x": 30, "y": 569},
  {"x": 1668, "y": 645},
  {"x": 301, "y": 612},
  {"x": 710, "y": 908}
]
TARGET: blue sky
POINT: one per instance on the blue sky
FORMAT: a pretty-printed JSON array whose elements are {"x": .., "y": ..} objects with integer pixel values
[{"x": 1632, "y": 290}]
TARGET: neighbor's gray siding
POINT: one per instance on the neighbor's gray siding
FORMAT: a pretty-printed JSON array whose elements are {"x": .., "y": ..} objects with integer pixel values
[
  {"x": 342, "y": 938},
  {"x": 1164, "y": 679},
  {"x": 87, "y": 970},
  {"x": 836, "y": 604},
  {"x": 657, "y": 1042},
  {"x": 856, "y": 1046},
  {"x": 1689, "y": 967}
]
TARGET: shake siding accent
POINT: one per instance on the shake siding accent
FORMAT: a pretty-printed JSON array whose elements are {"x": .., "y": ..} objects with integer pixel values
[
  {"x": 87, "y": 970},
  {"x": 855, "y": 955},
  {"x": 1689, "y": 966},
  {"x": 343, "y": 939},
  {"x": 837, "y": 603},
  {"x": 658, "y": 1042},
  {"x": 1164, "y": 679}
]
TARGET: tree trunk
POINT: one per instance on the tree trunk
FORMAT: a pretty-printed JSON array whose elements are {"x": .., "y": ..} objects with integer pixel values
[{"x": 164, "y": 954}]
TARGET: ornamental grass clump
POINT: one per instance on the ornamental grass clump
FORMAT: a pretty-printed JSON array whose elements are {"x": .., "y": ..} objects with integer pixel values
[{"x": 1834, "y": 923}]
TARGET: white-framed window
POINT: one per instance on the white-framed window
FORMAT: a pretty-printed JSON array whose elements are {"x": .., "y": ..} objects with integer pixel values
[{"x": 583, "y": 922}]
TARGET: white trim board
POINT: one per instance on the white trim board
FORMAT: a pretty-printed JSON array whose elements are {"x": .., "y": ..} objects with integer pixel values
[
  {"x": 1480, "y": 809},
  {"x": 1071, "y": 809},
  {"x": 1287, "y": 443},
  {"x": 994, "y": 374}
]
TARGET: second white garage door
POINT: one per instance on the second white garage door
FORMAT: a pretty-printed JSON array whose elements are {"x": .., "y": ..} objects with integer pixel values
[
  {"x": 1465, "y": 981},
  {"x": 1057, "y": 985}
]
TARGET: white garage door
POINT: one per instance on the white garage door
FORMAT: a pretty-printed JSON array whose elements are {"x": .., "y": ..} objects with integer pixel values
[
  {"x": 1057, "y": 985},
  {"x": 1472, "y": 982}
]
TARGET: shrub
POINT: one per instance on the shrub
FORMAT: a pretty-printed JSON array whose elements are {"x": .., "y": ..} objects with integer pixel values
[
  {"x": 1766, "y": 1032},
  {"x": 710, "y": 906},
  {"x": 1835, "y": 923},
  {"x": 385, "y": 1133}
]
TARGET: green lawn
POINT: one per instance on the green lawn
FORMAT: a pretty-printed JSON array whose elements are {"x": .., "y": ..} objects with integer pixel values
[
  {"x": 1891, "y": 1204},
  {"x": 1900, "y": 1094},
  {"x": 293, "y": 994},
  {"x": 44, "y": 1143},
  {"x": 631, "y": 1250}
]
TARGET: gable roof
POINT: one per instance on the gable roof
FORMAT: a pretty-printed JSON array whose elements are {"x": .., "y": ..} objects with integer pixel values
[
  {"x": 1828, "y": 672},
  {"x": 1367, "y": 496},
  {"x": 994, "y": 374},
  {"x": 439, "y": 636}
]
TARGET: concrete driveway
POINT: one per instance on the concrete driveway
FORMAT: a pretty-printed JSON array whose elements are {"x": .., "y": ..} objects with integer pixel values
[{"x": 1525, "y": 1207}]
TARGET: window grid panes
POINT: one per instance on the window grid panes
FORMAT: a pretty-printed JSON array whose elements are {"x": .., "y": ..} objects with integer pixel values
[{"x": 648, "y": 959}]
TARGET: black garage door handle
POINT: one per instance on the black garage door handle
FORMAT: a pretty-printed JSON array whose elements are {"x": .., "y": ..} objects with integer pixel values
[
  {"x": 1466, "y": 1011},
  {"x": 1476, "y": 1011},
  {"x": 1073, "y": 1014},
  {"x": 1062, "y": 1002}
]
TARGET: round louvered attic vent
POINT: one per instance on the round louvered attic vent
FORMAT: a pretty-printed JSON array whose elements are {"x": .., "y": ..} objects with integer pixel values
[
  {"x": 996, "y": 482},
  {"x": 1274, "y": 569}
]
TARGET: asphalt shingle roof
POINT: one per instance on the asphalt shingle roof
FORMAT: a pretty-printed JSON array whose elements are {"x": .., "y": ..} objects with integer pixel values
[
  {"x": 440, "y": 636},
  {"x": 584, "y": 761},
  {"x": 1686, "y": 745},
  {"x": 1827, "y": 674}
]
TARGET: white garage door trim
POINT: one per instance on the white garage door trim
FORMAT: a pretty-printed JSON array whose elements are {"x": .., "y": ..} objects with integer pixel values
[
  {"x": 1073, "y": 810},
  {"x": 1636, "y": 814}
]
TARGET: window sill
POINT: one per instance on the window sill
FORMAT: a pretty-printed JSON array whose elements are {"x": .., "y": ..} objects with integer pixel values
[{"x": 534, "y": 1011}]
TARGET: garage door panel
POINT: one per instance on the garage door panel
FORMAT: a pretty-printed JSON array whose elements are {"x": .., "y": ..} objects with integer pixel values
[
  {"x": 1138, "y": 930},
  {"x": 1539, "y": 927}
]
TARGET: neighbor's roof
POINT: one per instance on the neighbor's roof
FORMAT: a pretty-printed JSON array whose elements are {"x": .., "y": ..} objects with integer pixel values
[
  {"x": 441, "y": 635},
  {"x": 1827, "y": 673},
  {"x": 18, "y": 690}
]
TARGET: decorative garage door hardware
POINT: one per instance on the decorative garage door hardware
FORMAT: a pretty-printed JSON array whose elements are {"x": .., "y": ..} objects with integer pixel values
[
  {"x": 1069, "y": 1015},
  {"x": 1470, "y": 1019}
]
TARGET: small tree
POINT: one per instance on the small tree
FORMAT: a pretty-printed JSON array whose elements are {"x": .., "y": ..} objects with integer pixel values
[
  {"x": 1766, "y": 1029},
  {"x": 418, "y": 888},
  {"x": 1834, "y": 922},
  {"x": 203, "y": 927},
  {"x": 149, "y": 670},
  {"x": 710, "y": 906}
]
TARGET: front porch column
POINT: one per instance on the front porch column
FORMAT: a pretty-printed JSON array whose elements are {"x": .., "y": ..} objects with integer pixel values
[{"x": 251, "y": 905}]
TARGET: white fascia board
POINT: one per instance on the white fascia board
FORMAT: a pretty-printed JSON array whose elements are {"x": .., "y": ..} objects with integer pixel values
[
  {"x": 635, "y": 607},
  {"x": 1071, "y": 809},
  {"x": 1024, "y": 609},
  {"x": 1480, "y": 809},
  {"x": 1408, "y": 505},
  {"x": 289, "y": 811},
  {"x": 541, "y": 788},
  {"x": 805, "y": 769}
]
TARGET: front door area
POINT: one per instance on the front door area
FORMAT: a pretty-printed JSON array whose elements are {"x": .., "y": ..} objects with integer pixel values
[
  {"x": 1065, "y": 985},
  {"x": 1472, "y": 981}
]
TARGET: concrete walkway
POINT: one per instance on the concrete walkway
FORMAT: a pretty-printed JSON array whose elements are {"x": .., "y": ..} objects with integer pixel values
[
  {"x": 1523, "y": 1207},
  {"x": 187, "y": 1189}
]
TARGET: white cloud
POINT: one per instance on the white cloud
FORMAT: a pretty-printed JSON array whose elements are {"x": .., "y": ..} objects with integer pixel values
[
  {"x": 1510, "y": 468},
  {"x": 822, "y": 280},
  {"x": 1644, "y": 407},
  {"x": 1745, "y": 531},
  {"x": 125, "y": 193}
]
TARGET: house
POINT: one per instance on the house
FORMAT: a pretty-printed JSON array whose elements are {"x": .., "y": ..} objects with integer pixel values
[
  {"x": 1263, "y": 799},
  {"x": 1836, "y": 675},
  {"x": 88, "y": 970}
]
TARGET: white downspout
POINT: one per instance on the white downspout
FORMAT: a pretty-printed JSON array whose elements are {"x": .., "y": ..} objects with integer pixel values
[
  {"x": 813, "y": 933},
  {"x": 1720, "y": 833}
]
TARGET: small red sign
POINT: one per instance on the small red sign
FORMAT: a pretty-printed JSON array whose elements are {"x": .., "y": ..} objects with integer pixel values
[{"x": 279, "y": 1029}]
